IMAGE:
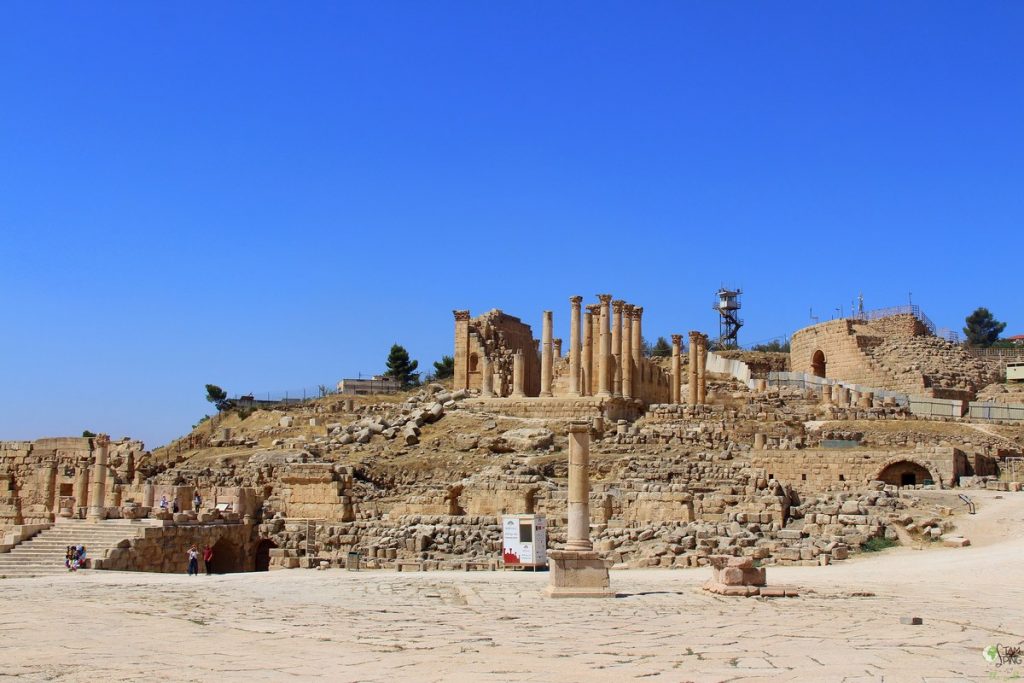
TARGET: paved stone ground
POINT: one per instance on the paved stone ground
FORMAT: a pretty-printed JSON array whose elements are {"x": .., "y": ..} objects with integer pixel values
[{"x": 484, "y": 626}]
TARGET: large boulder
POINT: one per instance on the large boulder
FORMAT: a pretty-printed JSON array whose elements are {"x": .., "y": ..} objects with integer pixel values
[{"x": 529, "y": 439}]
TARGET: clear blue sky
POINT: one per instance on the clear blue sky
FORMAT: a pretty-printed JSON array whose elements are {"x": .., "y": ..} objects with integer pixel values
[{"x": 267, "y": 195}]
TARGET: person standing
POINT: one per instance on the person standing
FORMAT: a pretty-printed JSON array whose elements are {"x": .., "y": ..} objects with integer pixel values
[
  {"x": 193, "y": 560},
  {"x": 197, "y": 502},
  {"x": 208, "y": 559}
]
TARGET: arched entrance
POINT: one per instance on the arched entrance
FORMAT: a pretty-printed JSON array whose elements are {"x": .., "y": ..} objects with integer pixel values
[
  {"x": 905, "y": 473},
  {"x": 818, "y": 363},
  {"x": 227, "y": 557},
  {"x": 263, "y": 554}
]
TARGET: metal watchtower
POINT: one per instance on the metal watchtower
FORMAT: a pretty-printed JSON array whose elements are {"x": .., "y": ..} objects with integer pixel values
[{"x": 729, "y": 323}]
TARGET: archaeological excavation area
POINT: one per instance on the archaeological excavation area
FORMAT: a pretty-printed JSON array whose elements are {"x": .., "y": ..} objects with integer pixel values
[{"x": 811, "y": 503}]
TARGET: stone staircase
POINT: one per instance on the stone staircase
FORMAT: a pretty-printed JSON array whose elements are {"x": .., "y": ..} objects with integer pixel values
[{"x": 43, "y": 554}]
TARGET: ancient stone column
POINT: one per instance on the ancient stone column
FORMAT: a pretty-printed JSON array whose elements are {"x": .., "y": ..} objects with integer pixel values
[
  {"x": 638, "y": 352},
  {"x": 579, "y": 487},
  {"x": 545, "y": 355},
  {"x": 98, "y": 485},
  {"x": 518, "y": 375},
  {"x": 577, "y": 571},
  {"x": 617, "y": 346},
  {"x": 148, "y": 494},
  {"x": 595, "y": 347},
  {"x": 702, "y": 381},
  {"x": 604, "y": 358},
  {"x": 692, "y": 370},
  {"x": 574, "y": 345},
  {"x": 81, "y": 487},
  {"x": 461, "y": 378},
  {"x": 826, "y": 393},
  {"x": 557, "y": 344},
  {"x": 759, "y": 441},
  {"x": 587, "y": 371},
  {"x": 486, "y": 376},
  {"x": 677, "y": 367},
  {"x": 48, "y": 486},
  {"x": 626, "y": 357}
]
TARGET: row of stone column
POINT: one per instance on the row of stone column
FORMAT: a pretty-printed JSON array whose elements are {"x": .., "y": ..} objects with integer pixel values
[{"x": 697, "y": 381}]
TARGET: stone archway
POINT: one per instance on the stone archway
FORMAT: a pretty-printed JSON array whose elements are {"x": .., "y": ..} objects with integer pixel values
[
  {"x": 263, "y": 554},
  {"x": 227, "y": 557},
  {"x": 818, "y": 363},
  {"x": 905, "y": 473}
]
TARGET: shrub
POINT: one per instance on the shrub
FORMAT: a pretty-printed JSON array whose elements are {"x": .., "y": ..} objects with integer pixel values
[{"x": 878, "y": 543}]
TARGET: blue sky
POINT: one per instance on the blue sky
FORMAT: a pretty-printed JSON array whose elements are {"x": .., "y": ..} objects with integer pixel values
[{"x": 266, "y": 195}]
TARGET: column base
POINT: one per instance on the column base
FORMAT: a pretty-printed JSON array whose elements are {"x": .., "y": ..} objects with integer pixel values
[{"x": 578, "y": 574}]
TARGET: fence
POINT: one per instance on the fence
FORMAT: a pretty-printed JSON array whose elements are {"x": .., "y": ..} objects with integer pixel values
[
  {"x": 909, "y": 309},
  {"x": 982, "y": 410}
]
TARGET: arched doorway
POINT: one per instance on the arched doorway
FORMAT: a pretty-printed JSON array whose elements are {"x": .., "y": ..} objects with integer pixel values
[
  {"x": 226, "y": 557},
  {"x": 818, "y": 363},
  {"x": 905, "y": 473},
  {"x": 263, "y": 554}
]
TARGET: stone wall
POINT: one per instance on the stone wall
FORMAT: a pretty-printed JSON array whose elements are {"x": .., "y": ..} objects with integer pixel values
[
  {"x": 165, "y": 549},
  {"x": 498, "y": 336},
  {"x": 853, "y": 468}
]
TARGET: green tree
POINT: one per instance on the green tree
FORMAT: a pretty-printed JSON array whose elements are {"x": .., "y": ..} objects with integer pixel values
[
  {"x": 662, "y": 348},
  {"x": 217, "y": 397},
  {"x": 774, "y": 346},
  {"x": 444, "y": 368},
  {"x": 982, "y": 328},
  {"x": 87, "y": 434},
  {"x": 400, "y": 368}
]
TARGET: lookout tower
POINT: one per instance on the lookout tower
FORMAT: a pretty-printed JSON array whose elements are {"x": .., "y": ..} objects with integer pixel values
[{"x": 729, "y": 323}]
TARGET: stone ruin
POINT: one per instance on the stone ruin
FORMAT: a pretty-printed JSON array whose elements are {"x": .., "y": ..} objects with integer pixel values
[{"x": 685, "y": 465}]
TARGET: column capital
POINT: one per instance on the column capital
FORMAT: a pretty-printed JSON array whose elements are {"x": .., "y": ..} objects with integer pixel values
[
  {"x": 617, "y": 305},
  {"x": 579, "y": 427},
  {"x": 604, "y": 299},
  {"x": 695, "y": 337},
  {"x": 638, "y": 311},
  {"x": 677, "y": 339},
  {"x": 593, "y": 308},
  {"x": 628, "y": 309},
  {"x": 101, "y": 440},
  {"x": 461, "y": 315},
  {"x": 576, "y": 301}
]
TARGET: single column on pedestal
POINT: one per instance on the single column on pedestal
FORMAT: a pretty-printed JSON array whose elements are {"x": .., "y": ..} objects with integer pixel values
[
  {"x": 677, "y": 368},
  {"x": 556, "y": 344},
  {"x": 98, "y": 485},
  {"x": 574, "y": 345},
  {"x": 702, "y": 380},
  {"x": 545, "y": 355},
  {"x": 604, "y": 358},
  {"x": 617, "y": 346},
  {"x": 691, "y": 371},
  {"x": 518, "y": 375},
  {"x": 577, "y": 571},
  {"x": 638, "y": 353},
  {"x": 626, "y": 357},
  {"x": 486, "y": 376}
]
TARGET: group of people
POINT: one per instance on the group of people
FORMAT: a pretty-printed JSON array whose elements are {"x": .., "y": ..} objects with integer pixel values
[
  {"x": 193, "y": 560},
  {"x": 74, "y": 557},
  {"x": 197, "y": 503}
]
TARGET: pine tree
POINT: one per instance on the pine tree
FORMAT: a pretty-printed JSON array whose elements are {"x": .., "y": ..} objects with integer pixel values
[
  {"x": 982, "y": 328},
  {"x": 661, "y": 348},
  {"x": 444, "y": 368},
  {"x": 400, "y": 368}
]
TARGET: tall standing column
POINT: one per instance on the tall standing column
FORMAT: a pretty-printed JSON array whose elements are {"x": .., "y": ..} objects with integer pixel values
[
  {"x": 617, "y": 346},
  {"x": 677, "y": 362},
  {"x": 702, "y": 358},
  {"x": 627, "y": 351},
  {"x": 595, "y": 347},
  {"x": 692, "y": 369},
  {"x": 81, "y": 487},
  {"x": 518, "y": 375},
  {"x": 638, "y": 353},
  {"x": 604, "y": 368},
  {"x": 574, "y": 345},
  {"x": 486, "y": 376},
  {"x": 545, "y": 355},
  {"x": 461, "y": 378},
  {"x": 98, "y": 485},
  {"x": 579, "y": 487}
]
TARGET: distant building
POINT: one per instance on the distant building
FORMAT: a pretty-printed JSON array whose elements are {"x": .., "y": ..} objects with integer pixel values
[
  {"x": 378, "y": 384},
  {"x": 1016, "y": 340}
]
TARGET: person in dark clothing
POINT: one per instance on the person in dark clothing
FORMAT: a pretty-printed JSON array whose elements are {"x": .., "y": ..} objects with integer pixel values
[{"x": 208, "y": 559}]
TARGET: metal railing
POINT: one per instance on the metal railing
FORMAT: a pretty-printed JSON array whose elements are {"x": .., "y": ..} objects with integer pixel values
[{"x": 908, "y": 309}]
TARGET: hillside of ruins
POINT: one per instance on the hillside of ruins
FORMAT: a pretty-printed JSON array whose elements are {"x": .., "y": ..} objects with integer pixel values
[{"x": 872, "y": 430}]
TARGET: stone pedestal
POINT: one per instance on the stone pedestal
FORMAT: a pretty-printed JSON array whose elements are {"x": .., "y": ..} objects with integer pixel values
[{"x": 578, "y": 574}]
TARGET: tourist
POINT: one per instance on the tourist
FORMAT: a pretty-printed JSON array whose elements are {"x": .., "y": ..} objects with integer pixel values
[
  {"x": 197, "y": 502},
  {"x": 193, "y": 561},
  {"x": 163, "y": 502},
  {"x": 81, "y": 555},
  {"x": 208, "y": 559},
  {"x": 69, "y": 556}
]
